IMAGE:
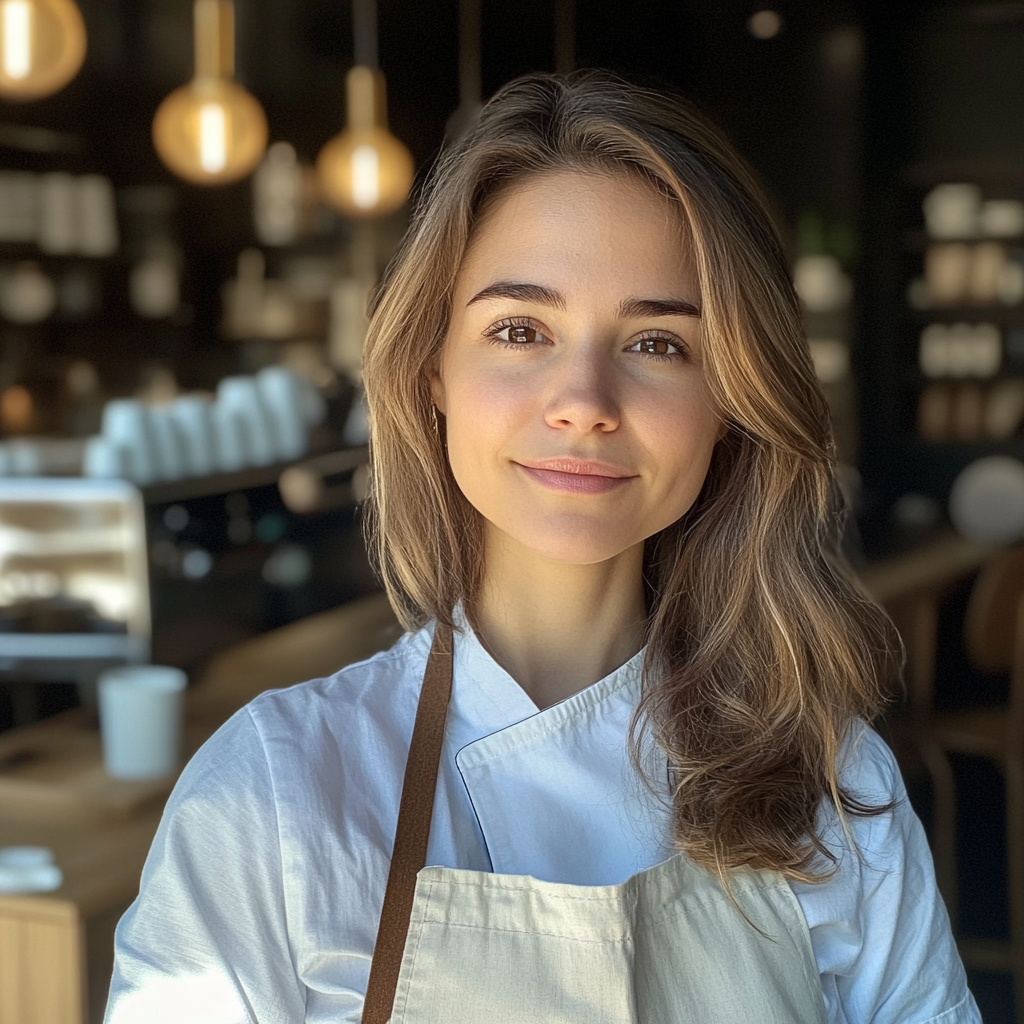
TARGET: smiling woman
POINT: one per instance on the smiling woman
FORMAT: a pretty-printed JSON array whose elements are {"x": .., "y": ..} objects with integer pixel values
[
  {"x": 586, "y": 382},
  {"x": 619, "y": 769}
]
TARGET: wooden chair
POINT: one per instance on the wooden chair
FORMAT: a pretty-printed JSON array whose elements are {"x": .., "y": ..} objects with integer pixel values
[{"x": 994, "y": 642}]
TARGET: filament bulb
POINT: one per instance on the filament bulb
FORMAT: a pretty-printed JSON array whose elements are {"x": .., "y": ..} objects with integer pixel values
[{"x": 42, "y": 46}]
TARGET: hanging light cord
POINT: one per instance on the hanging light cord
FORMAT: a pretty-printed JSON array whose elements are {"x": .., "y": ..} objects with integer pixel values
[
  {"x": 565, "y": 36},
  {"x": 364, "y": 33},
  {"x": 470, "y": 85}
]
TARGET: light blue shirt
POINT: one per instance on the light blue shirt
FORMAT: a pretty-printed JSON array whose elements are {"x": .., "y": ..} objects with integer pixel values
[{"x": 261, "y": 895}]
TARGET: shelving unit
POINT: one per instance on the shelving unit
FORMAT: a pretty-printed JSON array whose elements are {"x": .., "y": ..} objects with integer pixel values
[{"x": 903, "y": 161}]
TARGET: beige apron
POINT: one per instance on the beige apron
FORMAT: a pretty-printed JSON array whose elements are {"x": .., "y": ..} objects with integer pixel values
[{"x": 667, "y": 946}]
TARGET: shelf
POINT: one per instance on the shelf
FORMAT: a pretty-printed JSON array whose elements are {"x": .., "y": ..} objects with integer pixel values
[
  {"x": 223, "y": 483},
  {"x": 968, "y": 449},
  {"x": 917, "y": 240},
  {"x": 915, "y": 378},
  {"x": 1000, "y": 172},
  {"x": 1005, "y": 316}
]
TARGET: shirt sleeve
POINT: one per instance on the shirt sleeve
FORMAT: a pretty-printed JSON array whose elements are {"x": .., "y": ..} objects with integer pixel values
[
  {"x": 206, "y": 941},
  {"x": 879, "y": 927}
]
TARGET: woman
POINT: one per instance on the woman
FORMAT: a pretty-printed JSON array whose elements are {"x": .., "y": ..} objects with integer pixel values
[{"x": 602, "y": 463}]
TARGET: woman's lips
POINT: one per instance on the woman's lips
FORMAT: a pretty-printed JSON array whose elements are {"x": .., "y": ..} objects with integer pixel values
[{"x": 576, "y": 476}]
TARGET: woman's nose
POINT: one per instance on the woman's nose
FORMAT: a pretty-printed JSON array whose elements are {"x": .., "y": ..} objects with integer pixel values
[{"x": 581, "y": 394}]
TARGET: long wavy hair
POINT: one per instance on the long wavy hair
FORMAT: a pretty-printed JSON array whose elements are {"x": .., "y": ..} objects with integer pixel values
[{"x": 761, "y": 647}]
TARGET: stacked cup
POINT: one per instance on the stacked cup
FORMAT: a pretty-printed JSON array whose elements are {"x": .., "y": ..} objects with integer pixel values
[{"x": 252, "y": 421}]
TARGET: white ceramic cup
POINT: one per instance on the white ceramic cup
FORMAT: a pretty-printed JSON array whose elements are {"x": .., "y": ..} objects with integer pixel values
[
  {"x": 97, "y": 216},
  {"x": 193, "y": 415},
  {"x": 282, "y": 394},
  {"x": 168, "y": 443},
  {"x": 141, "y": 711},
  {"x": 104, "y": 458},
  {"x": 58, "y": 213},
  {"x": 951, "y": 210},
  {"x": 126, "y": 424},
  {"x": 239, "y": 402},
  {"x": 986, "y": 502}
]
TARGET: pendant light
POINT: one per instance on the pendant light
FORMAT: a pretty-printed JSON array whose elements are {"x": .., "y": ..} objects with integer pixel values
[
  {"x": 211, "y": 131},
  {"x": 467, "y": 113},
  {"x": 42, "y": 46},
  {"x": 365, "y": 171}
]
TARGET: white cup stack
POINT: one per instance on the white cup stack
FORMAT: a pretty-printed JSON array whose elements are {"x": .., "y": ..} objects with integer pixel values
[
  {"x": 193, "y": 415},
  {"x": 253, "y": 421}
]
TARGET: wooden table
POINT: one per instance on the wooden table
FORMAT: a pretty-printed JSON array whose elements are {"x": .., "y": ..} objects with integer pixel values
[{"x": 56, "y": 949}]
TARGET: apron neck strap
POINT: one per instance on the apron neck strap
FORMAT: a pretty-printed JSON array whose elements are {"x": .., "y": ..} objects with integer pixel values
[{"x": 413, "y": 830}]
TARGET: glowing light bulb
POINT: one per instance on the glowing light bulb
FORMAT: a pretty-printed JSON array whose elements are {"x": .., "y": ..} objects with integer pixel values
[
  {"x": 17, "y": 38},
  {"x": 211, "y": 131},
  {"x": 42, "y": 46},
  {"x": 365, "y": 171},
  {"x": 213, "y": 141}
]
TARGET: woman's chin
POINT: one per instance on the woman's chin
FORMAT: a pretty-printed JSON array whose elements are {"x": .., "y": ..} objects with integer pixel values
[{"x": 571, "y": 545}]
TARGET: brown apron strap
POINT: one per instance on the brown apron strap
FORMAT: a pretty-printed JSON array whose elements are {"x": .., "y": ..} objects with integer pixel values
[{"x": 413, "y": 831}]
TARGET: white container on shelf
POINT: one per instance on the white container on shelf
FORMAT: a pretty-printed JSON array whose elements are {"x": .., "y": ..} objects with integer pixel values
[
  {"x": 987, "y": 262},
  {"x": 1004, "y": 410},
  {"x": 933, "y": 351},
  {"x": 952, "y": 210},
  {"x": 19, "y": 204},
  {"x": 229, "y": 434},
  {"x": 1010, "y": 286},
  {"x": 947, "y": 271},
  {"x": 168, "y": 443},
  {"x": 126, "y": 424},
  {"x": 240, "y": 410},
  {"x": 193, "y": 415},
  {"x": 97, "y": 216},
  {"x": 58, "y": 213},
  {"x": 960, "y": 361},
  {"x": 282, "y": 393},
  {"x": 104, "y": 459},
  {"x": 27, "y": 295},
  {"x": 986, "y": 502},
  {"x": 1002, "y": 218}
]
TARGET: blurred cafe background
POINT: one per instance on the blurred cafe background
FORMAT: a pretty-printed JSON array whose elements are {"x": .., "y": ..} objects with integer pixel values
[{"x": 195, "y": 202}]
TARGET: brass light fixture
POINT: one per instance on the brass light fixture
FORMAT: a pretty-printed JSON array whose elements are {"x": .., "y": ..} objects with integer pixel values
[
  {"x": 42, "y": 46},
  {"x": 211, "y": 131},
  {"x": 365, "y": 171}
]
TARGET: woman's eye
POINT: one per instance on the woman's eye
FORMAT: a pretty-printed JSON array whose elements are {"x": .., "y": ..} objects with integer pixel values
[
  {"x": 515, "y": 333},
  {"x": 521, "y": 335},
  {"x": 658, "y": 346}
]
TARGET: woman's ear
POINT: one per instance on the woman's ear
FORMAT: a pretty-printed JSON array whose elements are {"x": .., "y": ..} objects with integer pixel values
[{"x": 437, "y": 391}]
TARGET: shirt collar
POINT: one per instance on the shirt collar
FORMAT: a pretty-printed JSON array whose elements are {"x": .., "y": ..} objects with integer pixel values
[{"x": 488, "y": 702}]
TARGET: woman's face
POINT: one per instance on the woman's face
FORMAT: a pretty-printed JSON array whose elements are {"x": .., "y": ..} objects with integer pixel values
[{"x": 578, "y": 420}]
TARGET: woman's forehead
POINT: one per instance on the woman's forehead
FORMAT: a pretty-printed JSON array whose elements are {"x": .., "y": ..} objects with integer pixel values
[{"x": 582, "y": 229}]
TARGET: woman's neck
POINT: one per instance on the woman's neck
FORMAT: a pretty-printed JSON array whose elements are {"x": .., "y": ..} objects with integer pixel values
[{"x": 557, "y": 628}]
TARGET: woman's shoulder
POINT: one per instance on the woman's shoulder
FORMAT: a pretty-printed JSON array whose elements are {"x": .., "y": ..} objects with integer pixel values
[
  {"x": 389, "y": 679},
  {"x": 365, "y": 707},
  {"x": 878, "y": 925}
]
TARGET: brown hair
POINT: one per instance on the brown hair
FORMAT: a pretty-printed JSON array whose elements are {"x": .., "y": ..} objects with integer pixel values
[{"x": 762, "y": 649}]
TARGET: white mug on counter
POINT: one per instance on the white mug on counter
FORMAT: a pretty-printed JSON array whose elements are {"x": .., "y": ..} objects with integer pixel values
[{"x": 141, "y": 713}]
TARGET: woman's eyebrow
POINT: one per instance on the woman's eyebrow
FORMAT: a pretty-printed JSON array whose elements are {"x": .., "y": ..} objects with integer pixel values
[
  {"x": 629, "y": 309},
  {"x": 518, "y": 290}
]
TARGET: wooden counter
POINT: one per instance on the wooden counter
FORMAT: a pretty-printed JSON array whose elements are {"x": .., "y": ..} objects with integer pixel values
[{"x": 56, "y": 949}]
